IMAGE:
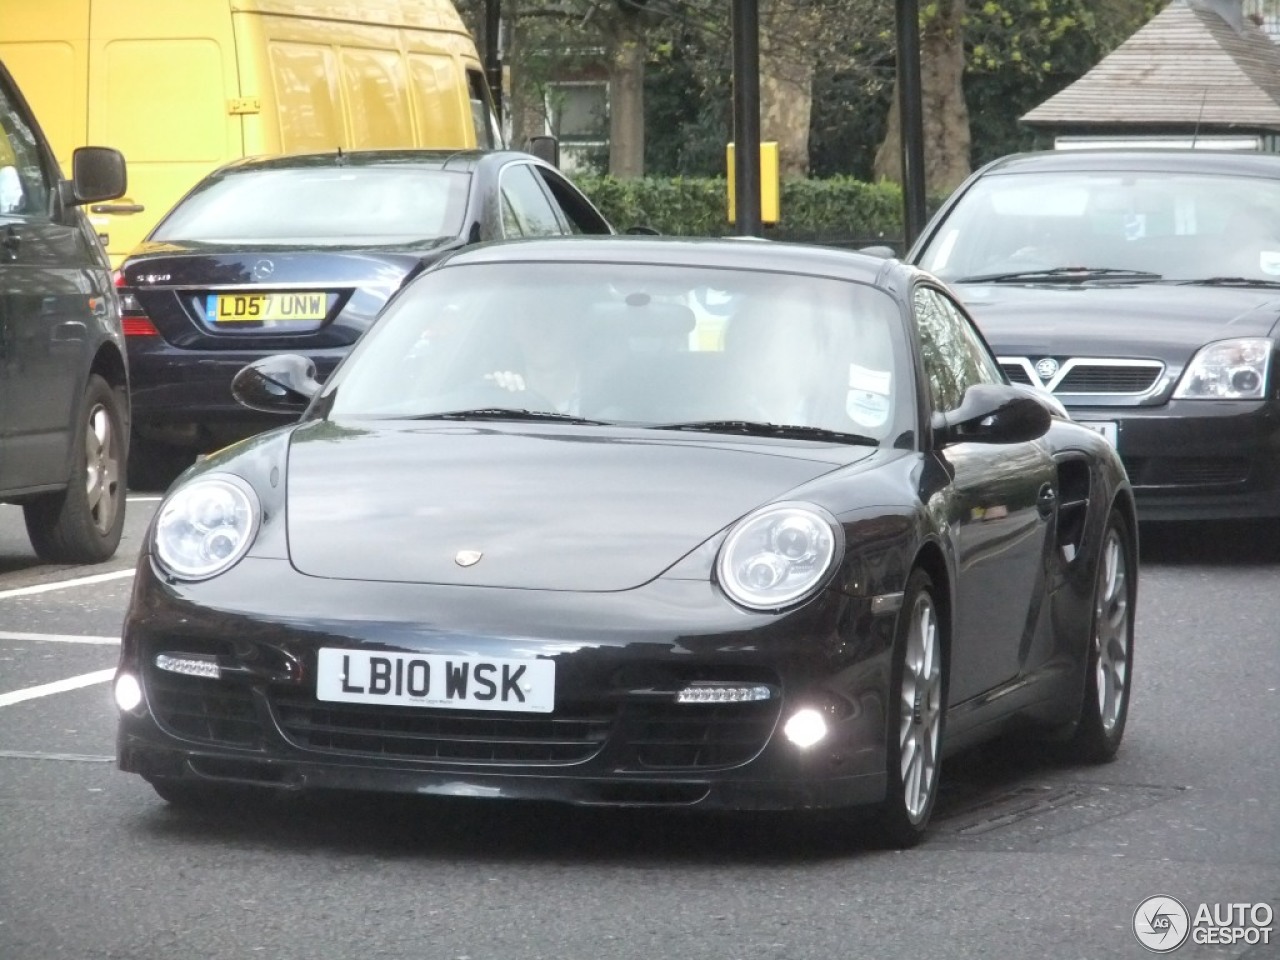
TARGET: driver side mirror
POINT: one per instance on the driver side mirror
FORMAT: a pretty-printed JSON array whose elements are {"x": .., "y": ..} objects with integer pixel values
[
  {"x": 284, "y": 383},
  {"x": 993, "y": 413},
  {"x": 546, "y": 148}
]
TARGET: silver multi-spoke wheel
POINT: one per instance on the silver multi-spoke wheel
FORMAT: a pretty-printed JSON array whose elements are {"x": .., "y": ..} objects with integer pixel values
[
  {"x": 102, "y": 468},
  {"x": 1111, "y": 631},
  {"x": 920, "y": 708}
]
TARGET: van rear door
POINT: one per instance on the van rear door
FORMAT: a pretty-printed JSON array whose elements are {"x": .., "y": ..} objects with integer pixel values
[{"x": 164, "y": 90}]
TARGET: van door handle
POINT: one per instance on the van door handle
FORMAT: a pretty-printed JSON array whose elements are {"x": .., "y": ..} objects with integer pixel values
[
  {"x": 117, "y": 208},
  {"x": 10, "y": 244}
]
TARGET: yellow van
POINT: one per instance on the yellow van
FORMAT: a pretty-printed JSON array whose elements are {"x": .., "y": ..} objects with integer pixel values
[{"x": 184, "y": 86}]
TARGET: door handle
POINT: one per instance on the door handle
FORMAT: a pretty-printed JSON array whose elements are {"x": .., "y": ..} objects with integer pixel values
[
  {"x": 1046, "y": 500},
  {"x": 117, "y": 208}
]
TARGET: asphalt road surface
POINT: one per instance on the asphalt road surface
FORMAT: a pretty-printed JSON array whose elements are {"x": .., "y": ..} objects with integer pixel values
[{"x": 1027, "y": 858}]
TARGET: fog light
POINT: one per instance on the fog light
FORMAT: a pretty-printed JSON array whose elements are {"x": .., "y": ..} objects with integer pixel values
[
  {"x": 805, "y": 728},
  {"x": 723, "y": 693},
  {"x": 191, "y": 664},
  {"x": 128, "y": 692}
]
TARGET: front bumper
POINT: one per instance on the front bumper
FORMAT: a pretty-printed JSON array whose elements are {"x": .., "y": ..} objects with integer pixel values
[
  {"x": 616, "y": 736},
  {"x": 1198, "y": 459}
]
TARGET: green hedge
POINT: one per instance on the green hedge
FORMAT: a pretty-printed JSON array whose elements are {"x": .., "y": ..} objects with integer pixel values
[{"x": 840, "y": 210}]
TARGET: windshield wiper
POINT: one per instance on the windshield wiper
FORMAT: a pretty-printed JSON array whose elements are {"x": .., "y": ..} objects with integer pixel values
[
  {"x": 754, "y": 428},
  {"x": 1230, "y": 282},
  {"x": 507, "y": 413},
  {"x": 1071, "y": 274}
]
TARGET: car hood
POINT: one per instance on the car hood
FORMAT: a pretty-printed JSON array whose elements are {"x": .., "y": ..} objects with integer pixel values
[
  {"x": 1151, "y": 320},
  {"x": 546, "y": 506}
]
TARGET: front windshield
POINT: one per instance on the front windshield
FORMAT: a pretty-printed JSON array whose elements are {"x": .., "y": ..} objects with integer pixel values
[
  {"x": 680, "y": 347},
  {"x": 325, "y": 206},
  {"x": 1171, "y": 226}
]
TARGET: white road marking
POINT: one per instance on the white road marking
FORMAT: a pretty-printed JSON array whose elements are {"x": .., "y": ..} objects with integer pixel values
[
  {"x": 59, "y": 686},
  {"x": 64, "y": 584},
  {"x": 78, "y": 757},
  {"x": 58, "y": 638},
  {"x": 141, "y": 499}
]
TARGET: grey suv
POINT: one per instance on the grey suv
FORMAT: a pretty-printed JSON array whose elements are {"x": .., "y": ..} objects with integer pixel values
[{"x": 64, "y": 389}]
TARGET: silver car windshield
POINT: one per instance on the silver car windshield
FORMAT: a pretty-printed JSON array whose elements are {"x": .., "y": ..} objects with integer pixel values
[
  {"x": 682, "y": 347},
  {"x": 1168, "y": 226},
  {"x": 331, "y": 206}
]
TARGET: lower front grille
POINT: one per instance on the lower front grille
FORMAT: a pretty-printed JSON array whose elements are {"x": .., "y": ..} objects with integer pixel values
[
  {"x": 209, "y": 711},
  {"x": 1187, "y": 471},
  {"x": 676, "y": 736},
  {"x": 570, "y": 735}
]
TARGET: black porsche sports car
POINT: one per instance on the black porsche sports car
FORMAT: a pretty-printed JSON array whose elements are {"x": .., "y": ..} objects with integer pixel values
[
  {"x": 299, "y": 253},
  {"x": 555, "y": 529},
  {"x": 1142, "y": 288}
]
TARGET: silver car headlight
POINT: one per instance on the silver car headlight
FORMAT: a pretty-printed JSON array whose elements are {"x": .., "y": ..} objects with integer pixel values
[
  {"x": 779, "y": 555},
  {"x": 206, "y": 526},
  {"x": 1227, "y": 370}
]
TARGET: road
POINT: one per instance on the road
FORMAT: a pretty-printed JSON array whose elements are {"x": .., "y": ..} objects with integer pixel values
[{"x": 1026, "y": 859}]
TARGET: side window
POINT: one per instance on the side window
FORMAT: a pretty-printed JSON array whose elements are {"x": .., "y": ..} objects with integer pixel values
[
  {"x": 24, "y": 179},
  {"x": 954, "y": 355},
  {"x": 488, "y": 136},
  {"x": 577, "y": 209},
  {"x": 529, "y": 206}
]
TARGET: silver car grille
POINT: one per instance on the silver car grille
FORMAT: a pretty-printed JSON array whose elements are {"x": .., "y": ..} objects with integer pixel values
[{"x": 1086, "y": 375}]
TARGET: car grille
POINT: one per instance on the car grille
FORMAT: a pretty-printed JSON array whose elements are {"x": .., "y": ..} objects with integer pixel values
[
  {"x": 1091, "y": 376},
  {"x": 675, "y": 736},
  {"x": 570, "y": 735},
  {"x": 1187, "y": 471},
  {"x": 195, "y": 708}
]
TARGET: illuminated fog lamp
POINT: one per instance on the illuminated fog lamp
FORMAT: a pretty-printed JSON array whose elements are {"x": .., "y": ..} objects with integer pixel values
[
  {"x": 128, "y": 692},
  {"x": 805, "y": 728},
  {"x": 191, "y": 665},
  {"x": 723, "y": 693}
]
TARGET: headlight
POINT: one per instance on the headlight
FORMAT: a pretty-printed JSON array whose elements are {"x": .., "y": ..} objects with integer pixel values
[
  {"x": 206, "y": 526},
  {"x": 1227, "y": 370},
  {"x": 779, "y": 555}
]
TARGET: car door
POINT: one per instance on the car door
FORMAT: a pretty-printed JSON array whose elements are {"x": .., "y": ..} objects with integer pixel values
[
  {"x": 998, "y": 509},
  {"x": 44, "y": 334}
]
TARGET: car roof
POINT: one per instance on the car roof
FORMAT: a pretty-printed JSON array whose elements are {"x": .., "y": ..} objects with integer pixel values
[
  {"x": 459, "y": 161},
  {"x": 730, "y": 253},
  {"x": 1239, "y": 163}
]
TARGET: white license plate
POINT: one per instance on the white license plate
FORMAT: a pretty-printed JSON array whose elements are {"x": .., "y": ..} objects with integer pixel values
[
  {"x": 433, "y": 680},
  {"x": 1105, "y": 427}
]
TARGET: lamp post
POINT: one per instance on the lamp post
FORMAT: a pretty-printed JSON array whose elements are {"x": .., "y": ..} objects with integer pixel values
[
  {"x": 746, "y": 116},
  {"x": 911, "y": 114}
]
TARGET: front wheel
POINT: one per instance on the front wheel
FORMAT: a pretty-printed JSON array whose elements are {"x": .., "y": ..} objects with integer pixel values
[
  {"x": 1109, "y": 670},
  {"x": 82, "y": 524},
  {"x": 917, "y": 711}
]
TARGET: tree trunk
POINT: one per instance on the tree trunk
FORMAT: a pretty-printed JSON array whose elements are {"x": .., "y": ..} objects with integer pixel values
[
  {"x": 626, "y": 97},
  {"x": 786, "y": 87},
  {"x": 946, "y": 118}
]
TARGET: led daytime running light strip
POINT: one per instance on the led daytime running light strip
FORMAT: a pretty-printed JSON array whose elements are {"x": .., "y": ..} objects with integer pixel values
[
  {"x": 707, "y": 693},
  {"x": 192, "y": 665}
]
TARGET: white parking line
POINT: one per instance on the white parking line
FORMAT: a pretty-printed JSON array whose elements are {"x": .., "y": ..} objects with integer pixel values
[
  {"x": 58, "y": 686},
  {"x": 141, "y": 499},
  {"x": 58, "y": 638},
  {"x": 64, "y": 584}
]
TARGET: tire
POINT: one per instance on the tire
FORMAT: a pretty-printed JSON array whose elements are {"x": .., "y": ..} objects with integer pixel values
[
  {"x": 1109, "y": 666},
  {"x": 915, "y": 719},
  {"x": 82, "y": 523}
]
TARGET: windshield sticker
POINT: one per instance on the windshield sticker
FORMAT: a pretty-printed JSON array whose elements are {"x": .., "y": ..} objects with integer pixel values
[
  {"x": 867, "y": 402},
  {"x": 872, "y": 381},
  {"x": 1269, "y": 262}
]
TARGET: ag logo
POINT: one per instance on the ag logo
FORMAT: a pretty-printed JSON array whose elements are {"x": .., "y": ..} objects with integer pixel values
[
  {"x": 1046, "y": 368},
  {"x": 1161, "y": 924}
]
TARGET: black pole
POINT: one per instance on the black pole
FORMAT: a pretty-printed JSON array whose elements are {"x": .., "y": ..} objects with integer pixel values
[
  {"x": 492, "y": 54},
  {"x": 746, "y": 116},
  {"x": 911, "y": 114}
]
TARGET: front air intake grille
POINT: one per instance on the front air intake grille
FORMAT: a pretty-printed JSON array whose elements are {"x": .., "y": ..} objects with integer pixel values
[
  {"x": 698, "y": 736},
  {"x": 208, "y": 711},
  {"x": 1017, "y": 374},
  {"x": 572, "y": 734}
]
